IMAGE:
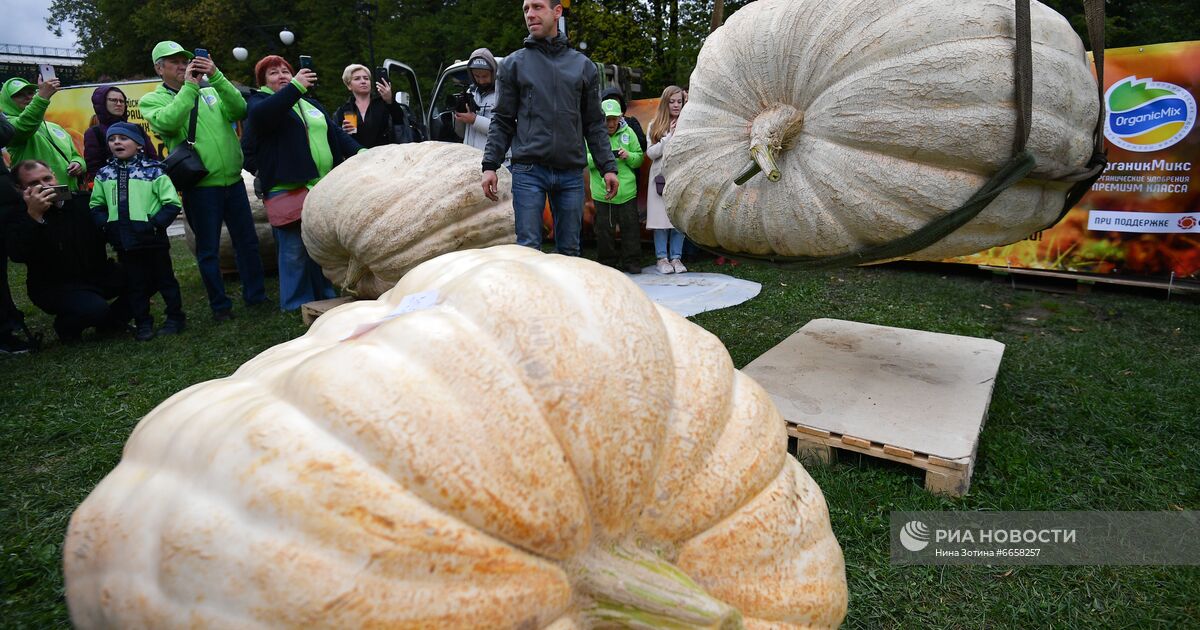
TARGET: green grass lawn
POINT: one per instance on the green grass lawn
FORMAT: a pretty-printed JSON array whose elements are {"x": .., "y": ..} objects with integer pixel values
[{"x": 1096, "y": 407}]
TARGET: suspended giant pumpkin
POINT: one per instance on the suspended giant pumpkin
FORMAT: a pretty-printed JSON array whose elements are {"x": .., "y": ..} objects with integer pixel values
[
  {"x": 507, "y": 439},
  {"x": 384, "y": 211},
  {"x": 882, "y": 116}
]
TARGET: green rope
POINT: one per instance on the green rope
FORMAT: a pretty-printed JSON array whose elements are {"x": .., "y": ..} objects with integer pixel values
[{"x": 1012, "y": 172}]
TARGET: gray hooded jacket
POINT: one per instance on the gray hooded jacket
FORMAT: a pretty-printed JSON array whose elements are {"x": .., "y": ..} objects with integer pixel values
[
  {"x": 476, "y": 133},
  {"x": 547, "y": 104}
]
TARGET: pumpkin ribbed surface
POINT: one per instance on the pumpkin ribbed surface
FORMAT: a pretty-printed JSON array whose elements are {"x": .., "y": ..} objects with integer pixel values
[
  {"x": 539, "y": 447},
  {"x": 384, "y": 211},
  {"x": 884, "y": 115}
]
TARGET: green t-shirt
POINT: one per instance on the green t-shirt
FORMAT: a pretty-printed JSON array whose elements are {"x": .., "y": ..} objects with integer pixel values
[{"x": 318, "y": 140}]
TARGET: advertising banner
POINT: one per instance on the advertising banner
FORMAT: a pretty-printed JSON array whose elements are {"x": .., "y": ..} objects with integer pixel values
[
  {"x": 1142, "y": 217},
  {"x": 72, "y": 108}
]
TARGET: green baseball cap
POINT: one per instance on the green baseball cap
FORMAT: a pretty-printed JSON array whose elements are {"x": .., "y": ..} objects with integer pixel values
[
  {"x": 611, "y": 107},
  {"x": 19, "y": 84},
  {"x": 166, "y": 49}
]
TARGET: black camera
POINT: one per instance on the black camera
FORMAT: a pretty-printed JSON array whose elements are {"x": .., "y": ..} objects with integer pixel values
[{"x": 465, "y": 102}]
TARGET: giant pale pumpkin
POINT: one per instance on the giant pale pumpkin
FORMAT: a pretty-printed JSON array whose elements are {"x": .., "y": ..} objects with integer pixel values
[
  {"x": 382, "y": 212},
  {"x": 882, "y": 116},
  {"x": 535, "y": 445}
]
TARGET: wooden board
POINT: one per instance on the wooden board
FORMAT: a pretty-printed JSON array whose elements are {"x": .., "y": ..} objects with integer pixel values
[
  {"x": 311, "y": 311},
  {"x": 942, "y": 476},
  {"x": 910, "y": 396},
  {"x": 1085, "y": 281}
]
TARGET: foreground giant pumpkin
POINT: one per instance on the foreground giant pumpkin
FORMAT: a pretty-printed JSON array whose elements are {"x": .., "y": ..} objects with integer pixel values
[
  {"x": 384, "y": 211},
  {"x": 882, "y": 115},
  {"x": 532, "y": 444}
]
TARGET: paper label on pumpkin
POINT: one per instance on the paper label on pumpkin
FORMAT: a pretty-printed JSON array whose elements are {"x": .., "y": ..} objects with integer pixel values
[{"x": 411, "y": 303}]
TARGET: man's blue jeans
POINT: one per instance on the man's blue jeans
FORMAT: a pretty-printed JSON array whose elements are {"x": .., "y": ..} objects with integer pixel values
[
  {"x": 531, "y": 184},
  {"x": 206, "y": 208}
]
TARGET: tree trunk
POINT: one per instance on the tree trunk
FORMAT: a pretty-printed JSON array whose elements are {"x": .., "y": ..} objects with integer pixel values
[
  {"x": 718, "y": 15},
  {"x": 675, "y": 42},
  {"x": 660, "y": 44}
]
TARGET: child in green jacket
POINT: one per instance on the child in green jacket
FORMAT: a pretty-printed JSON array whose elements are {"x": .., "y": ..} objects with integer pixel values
[
  {"x": 621, "y": 210},
  {"x": 133, "y": 202}
]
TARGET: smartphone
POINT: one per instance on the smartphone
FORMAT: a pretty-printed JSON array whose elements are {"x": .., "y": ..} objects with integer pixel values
[
  {"x": 200, "y": 52},
  {"x": 61, "y": 193},
  {"x": 381, "y": 74},
  {"x": 47, "y": 72},
  {"x": 305, "y": 62}
]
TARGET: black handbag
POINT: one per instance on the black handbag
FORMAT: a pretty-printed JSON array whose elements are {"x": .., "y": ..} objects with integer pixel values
[{"x": 183, "y": 164}]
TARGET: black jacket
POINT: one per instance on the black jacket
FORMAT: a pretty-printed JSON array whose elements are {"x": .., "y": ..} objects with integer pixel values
[
  {"x": 547, "y": 105},
  {"x": 275, "y": 142},
  {"x": 378, "y": 126},
  {"x": 6, "y": 135},
  {"x": 67, "y": 250}
]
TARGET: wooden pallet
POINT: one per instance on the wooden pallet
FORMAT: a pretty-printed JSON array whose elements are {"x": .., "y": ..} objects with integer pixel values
[
  {"x": 311, "y": 311},
  {"x": 1082, "y": 283},
  {"x": 942, "y": 476}
]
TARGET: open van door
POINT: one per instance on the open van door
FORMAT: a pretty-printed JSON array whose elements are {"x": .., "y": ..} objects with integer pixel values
[{"x": 408, "y": 92}]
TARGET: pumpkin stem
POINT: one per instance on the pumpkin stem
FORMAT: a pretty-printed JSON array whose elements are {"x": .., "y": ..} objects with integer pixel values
[
  {"x": 771, "y": 133},
  {"x": 354, "y": 272},
  {"x": 632, "y": 588}
]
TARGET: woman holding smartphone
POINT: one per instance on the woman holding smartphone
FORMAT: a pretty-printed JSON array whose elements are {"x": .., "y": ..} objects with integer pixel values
[
  {"x": 370, "y": 115},
  {"x": 292, "y": 143}
]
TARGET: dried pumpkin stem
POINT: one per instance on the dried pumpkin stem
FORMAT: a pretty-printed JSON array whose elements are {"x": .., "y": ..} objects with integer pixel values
[
  {"x": 771, "y": 133},
  {"x": 632, "y": 588}
]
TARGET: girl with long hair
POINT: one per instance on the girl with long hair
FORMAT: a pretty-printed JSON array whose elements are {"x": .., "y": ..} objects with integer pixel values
[{"x": 668, "y": 241}]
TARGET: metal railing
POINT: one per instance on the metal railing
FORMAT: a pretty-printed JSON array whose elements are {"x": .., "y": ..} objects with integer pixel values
[{"x": 40, "y": 51}]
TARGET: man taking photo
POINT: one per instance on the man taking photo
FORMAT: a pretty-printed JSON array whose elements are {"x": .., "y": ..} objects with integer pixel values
[
  {"x": 548, "y": 156},
  {"x": 221, "y": 195},
  {"x": 473, "y": 125}
]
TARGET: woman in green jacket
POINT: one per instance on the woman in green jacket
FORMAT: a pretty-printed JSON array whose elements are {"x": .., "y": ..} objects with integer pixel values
[{"x": 34, "y": 137}]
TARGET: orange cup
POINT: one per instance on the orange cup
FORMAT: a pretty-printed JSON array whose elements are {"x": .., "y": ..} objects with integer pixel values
[{"x": 351, "y": 118}]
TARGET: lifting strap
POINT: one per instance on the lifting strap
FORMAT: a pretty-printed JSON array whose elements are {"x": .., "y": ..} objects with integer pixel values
[{"x": 1013, "y": 171}]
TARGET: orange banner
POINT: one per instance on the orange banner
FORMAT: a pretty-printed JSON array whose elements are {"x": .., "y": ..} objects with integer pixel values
[{"x": 1142, "y": 217}]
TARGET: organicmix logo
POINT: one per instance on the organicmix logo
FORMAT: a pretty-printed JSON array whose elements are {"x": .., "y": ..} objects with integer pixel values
[
  {"x": 914, "y": 536},
  {"x": 1147, "y": 115}
]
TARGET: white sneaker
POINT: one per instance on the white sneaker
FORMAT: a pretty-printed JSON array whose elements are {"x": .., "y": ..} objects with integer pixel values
[
  {"x": 663, "y": 266},
  {"x": 678, "y": 267}
]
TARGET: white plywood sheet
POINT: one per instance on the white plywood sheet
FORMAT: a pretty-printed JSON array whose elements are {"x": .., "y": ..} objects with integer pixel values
[{"x": 926, "y": 392}]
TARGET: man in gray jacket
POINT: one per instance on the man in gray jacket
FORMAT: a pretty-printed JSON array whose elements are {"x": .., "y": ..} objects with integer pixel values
[
  {"x": 473, "y": 125},
  {"x": 548, "y": 104}
]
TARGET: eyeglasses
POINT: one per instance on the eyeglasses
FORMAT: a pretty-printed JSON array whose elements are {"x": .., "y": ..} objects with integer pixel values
[{"x": 116, "y": 100}]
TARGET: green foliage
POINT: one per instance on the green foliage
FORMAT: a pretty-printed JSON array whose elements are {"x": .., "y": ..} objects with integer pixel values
[
  {"x": 662, "y": 37},
  {"x": 1136, "y": 22}
]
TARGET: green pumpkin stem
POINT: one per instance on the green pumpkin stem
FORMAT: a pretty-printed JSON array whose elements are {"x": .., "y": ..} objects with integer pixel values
[
  {"x": 632, "y": 588},
  {"x": 772, "y": 132}
]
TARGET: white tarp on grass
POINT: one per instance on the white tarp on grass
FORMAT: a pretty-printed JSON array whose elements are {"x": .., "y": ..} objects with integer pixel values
[{"x": 692, "y": 293}]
